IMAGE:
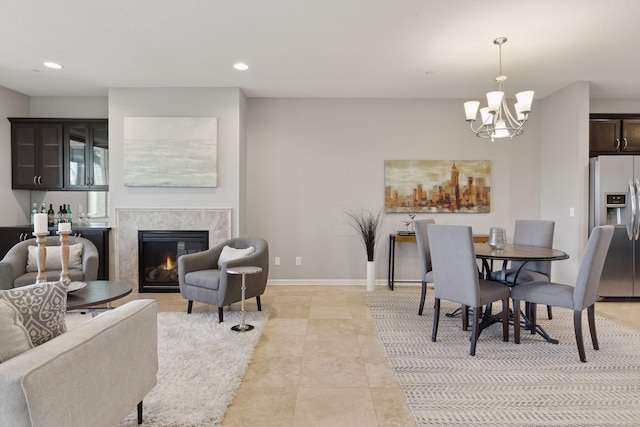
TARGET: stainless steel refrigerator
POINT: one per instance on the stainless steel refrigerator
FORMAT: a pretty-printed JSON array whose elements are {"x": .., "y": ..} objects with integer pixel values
[{"x": 614, "y": 199}]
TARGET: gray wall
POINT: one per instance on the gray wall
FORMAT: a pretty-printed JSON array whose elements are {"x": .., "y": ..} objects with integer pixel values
[
  {"x": 15, "y": 204},
  {"x": 564, "y": 173},
  {"x": 308, "y": 160},
  {"x": 290, "y": 167},
  {"x": 225, "y": 104}
]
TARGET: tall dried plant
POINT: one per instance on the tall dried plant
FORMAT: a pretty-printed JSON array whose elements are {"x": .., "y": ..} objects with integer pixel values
[{"x": 367, "y": 225}]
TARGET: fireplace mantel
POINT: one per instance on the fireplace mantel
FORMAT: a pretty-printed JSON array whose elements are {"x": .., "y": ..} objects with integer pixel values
[{"x": 130, "y": 221}]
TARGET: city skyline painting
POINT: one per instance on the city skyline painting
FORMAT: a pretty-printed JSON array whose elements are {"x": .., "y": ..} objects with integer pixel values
[{"x": 437, "y": 186}]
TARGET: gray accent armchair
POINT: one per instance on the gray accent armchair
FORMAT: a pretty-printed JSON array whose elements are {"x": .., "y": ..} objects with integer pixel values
[
  {"x": 13, "y": 267},
  {"x": 577, "y": 298},
  {"x": 201, "y": 280},
  {"x": 455, "y": 275}
]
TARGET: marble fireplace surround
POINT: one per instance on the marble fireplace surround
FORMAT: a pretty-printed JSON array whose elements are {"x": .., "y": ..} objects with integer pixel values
[{"x": 129, "y": 221}]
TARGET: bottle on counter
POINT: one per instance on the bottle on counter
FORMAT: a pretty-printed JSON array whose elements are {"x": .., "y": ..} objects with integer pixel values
[
  {"x": 34, "y": 210},
  {"x": 57, "y": 218},
  {"x": 81, "y": 216},
  {"x": 43, "y": 208},
  {"x": 50, "y": 215},
  {"x": 69, "y": 215}
]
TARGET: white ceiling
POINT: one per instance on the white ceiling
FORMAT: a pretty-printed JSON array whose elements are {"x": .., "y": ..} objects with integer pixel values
[{"x": 321, "y": 48}]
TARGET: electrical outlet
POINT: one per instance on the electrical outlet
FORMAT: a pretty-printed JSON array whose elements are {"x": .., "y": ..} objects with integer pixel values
[
  {"x": 298, "y": 260},
  {"x": 277, "y": 260}
]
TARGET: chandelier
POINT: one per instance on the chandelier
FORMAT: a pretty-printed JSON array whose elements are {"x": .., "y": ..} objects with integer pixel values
[{"x": 497, "y": 121}]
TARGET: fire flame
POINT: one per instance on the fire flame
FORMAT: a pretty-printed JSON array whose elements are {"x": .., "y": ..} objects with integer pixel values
[{"x": 169, "y": 265}]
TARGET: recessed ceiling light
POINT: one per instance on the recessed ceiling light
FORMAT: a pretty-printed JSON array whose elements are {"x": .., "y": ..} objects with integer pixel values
[
  {"x": 240, "y": 66},
  {"x": 53, "y": 65}
]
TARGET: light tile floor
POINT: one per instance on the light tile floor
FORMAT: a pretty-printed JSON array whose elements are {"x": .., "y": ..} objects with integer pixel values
[{"x": 320, "y": 363}]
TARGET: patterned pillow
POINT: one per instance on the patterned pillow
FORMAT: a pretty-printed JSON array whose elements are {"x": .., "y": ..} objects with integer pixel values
[
  {"x": 13, "y": 335},
  {"x": 41, "y": 309}
]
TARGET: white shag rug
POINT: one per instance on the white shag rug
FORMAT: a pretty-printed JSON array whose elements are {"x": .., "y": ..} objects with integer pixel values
[
  {"x": 534, "y": 383},
  {"x": 201, "y": 365}
]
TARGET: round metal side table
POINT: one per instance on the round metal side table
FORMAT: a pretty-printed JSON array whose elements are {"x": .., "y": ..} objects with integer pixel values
[{"x": 243, "y": 270}]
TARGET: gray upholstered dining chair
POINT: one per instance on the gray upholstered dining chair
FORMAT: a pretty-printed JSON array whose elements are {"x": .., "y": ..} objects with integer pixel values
[
  {"x": 537, "y": 233},
  {"x": 455, "y": 276},
  {"x": 426, "y": 273},
  {"x": 203, "y": 276},
  {"x": 577, "y": 298}
]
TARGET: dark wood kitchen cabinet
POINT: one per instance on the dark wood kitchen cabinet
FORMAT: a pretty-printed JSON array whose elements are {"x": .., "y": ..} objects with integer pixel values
[
  {"x": 86, "y": 155},
  {"x": 60, "y": 154},
  {"x": 36, "y": 155},
  {"x": 614, "y": 134}
]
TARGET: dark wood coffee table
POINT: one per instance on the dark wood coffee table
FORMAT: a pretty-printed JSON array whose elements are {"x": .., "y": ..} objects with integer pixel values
[{"x": 97, "y": 292}]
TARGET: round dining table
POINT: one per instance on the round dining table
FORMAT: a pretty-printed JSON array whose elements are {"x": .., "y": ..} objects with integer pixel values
[{"x": 515, "y": 253}]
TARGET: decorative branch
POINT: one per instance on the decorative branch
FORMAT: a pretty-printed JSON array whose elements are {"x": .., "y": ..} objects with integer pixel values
[{"x": 367, "y": 225}]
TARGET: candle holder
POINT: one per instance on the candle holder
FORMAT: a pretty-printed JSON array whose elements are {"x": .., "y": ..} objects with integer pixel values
[
  {"x": 42, "y": 256},
  {"x": 64, "y": 256}
]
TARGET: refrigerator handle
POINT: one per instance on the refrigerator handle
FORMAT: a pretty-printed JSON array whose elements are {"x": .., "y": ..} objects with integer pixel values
[
  {"x": 631, "y": 213},
  {"x": 636, "y": 231}
]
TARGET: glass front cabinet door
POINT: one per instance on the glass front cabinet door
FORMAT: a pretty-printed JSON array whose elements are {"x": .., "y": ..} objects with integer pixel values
[
  {"x": 36, "y": 150},
  {"x": 87, "y": 155}
]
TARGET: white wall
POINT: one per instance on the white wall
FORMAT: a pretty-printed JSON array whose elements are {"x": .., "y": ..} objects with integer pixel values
[
  {"x": 310, "y": 159},
  {"x": 225, "y": 104},
  {"x": 15, "y": 204},
  {"x": 564, "y": 173},
  {"x": 71, "y": 107},
  {"x": 614, "y": 106}
]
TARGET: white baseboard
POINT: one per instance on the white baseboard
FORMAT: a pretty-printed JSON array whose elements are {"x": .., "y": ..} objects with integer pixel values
[{"x": 332, "y": 282}]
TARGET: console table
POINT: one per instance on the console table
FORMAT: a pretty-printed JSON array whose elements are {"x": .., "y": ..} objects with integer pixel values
[{"x": 393, "y": 238}]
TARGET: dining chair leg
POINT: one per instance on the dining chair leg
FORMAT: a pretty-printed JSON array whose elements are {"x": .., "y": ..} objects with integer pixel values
[
  {"x": 423, "y": 297},
  {"x": 436, "y": 319},
  {"x": 591, "y": 315},
  {"x": 465, "y": 317},
  {"x": 516, "y": 321},
  {"x": 475, "y": 330},
  {"x": 533, "y": 308},
  {"x": 577, "y": 326},
  {"x": 549, "y": 312},
  {"x": 505, "y": 319}
]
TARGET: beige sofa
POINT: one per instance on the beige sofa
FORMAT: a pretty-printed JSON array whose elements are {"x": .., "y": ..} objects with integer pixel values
[{"x": 93, "y": 375}]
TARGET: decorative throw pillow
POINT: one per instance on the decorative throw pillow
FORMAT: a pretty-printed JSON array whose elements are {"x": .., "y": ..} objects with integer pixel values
[
  {"x": 54, "y": 260},
  {"x": 41, "y": 309},
  {"x": 13, "y": 335},
  {"x": 229, "y": 254}
]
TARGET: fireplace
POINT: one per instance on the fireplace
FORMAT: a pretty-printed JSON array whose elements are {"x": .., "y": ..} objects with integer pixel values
[{"x": 158, "y": 253}]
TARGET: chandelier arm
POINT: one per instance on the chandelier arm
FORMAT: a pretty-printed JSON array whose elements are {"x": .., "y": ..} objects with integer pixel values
[
  {"x": 513, "y": 121},
  {"x": 483, "y": 131}
]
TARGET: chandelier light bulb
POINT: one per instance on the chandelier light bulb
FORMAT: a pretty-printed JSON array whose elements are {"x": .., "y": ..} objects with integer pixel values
[
  {"x": 494, "y": 99},
  {"x": 471, "y": 109}
]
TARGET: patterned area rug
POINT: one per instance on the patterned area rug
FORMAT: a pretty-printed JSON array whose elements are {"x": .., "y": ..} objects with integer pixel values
[
  {"x": 201, "y": 365},
  {"x": 534, "y": 384}
]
